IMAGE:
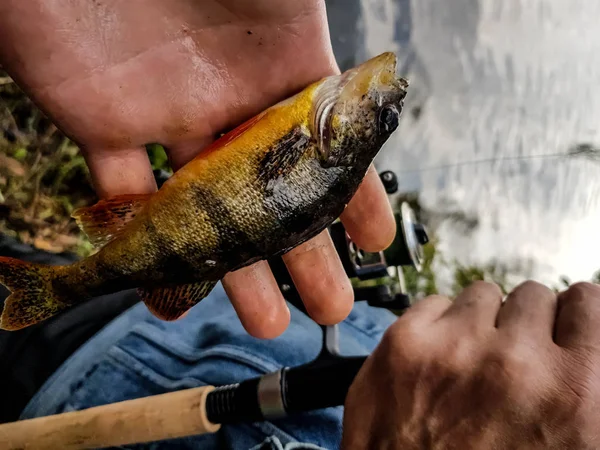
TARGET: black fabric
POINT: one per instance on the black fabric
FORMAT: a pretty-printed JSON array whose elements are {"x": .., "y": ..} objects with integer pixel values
[{"x": 29, "y": 356}]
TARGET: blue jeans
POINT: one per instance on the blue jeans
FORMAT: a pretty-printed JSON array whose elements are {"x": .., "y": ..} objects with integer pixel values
[{"x": 138, "y": 355}]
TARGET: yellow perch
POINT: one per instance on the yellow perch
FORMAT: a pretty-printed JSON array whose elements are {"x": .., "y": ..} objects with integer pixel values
[{"x": 257, "y": 192}]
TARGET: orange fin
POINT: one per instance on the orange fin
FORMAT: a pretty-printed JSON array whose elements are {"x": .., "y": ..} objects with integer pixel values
[
  {"x": 169, "y": 303},
  {"x": 106, "y": 219},
  {"x": 231, "y": 136}
]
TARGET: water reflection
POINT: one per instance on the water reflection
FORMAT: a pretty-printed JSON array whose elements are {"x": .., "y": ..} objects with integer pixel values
[{"x": 500, "y": 91}]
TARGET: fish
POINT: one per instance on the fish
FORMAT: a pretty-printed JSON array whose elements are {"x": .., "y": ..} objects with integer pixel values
[{"x": 258, "y": 191}]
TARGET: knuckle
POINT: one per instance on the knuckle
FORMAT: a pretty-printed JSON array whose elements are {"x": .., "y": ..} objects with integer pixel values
[
  {"x": 479, "y": 291},
  {"x": 532, "y": 287},
  {"x": 402, "y": 341},
  {"x": 585, "y": 296},
  {"x": 434, "y": 299},
  {"x": 485, "y": 285},
  {"x": 531, "y": 291},
  {"x": 400, "y": 332},
  {"x": 458, "y": 356},
  {"x": 584, "y": 289},
  {"x": 512, "y": 367},
  {"x": 531, "y": 284},
  {"x": 429, "y": 308}
]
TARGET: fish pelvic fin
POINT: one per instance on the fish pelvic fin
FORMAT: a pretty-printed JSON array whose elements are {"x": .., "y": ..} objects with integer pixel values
[
  {"x": 171, "y": 302},
  {"x": 107, "y": 219},
  {"x": 33, "y": 298}
]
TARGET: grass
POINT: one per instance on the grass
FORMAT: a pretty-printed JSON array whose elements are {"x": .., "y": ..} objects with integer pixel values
[{"x": 43, "y": 177}]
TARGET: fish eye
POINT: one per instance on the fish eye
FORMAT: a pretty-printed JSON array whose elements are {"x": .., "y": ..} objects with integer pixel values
[{"x": 388, "y": 118}]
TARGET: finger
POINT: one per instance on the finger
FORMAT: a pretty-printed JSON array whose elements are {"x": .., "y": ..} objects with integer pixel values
[
  {"x": 578, "y": 316},
  {"x": 116, "y": 172},
  {"x": 257, "y": 300},
  {"x": 480, "y": 302},
  {"x": 530, "y": 310},
  {"x": 368, "y": 218},
  {"x": 320, "y": 279}
]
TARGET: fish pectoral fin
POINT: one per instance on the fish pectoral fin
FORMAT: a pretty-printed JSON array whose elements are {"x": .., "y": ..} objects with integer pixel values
[
  {"x": 108, "y": 218},
  {"x": 283, "y": 157},
  {"x": 169, "y": 303}
]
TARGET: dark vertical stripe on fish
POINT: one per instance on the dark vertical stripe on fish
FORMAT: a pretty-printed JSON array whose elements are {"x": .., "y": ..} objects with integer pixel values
[{"x": 235, "y": 246}]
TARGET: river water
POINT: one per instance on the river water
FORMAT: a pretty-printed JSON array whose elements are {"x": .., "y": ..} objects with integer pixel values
[{"x": 500, "y": 92}]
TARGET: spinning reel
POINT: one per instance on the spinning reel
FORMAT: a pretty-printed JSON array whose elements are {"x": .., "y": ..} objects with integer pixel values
[{"x": 325, "y": 381}]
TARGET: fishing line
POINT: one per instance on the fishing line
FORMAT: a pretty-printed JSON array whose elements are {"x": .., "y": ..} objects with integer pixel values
[{"x": 572, "y": 155}]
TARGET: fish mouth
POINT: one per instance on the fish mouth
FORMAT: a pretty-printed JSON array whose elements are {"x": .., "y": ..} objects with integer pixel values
[
  {"x": 378, "y": 72},
  {"x": 354, "y": 83}
]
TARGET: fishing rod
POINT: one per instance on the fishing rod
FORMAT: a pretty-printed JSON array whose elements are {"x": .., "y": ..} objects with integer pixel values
[{"x": 321, "y": 383}]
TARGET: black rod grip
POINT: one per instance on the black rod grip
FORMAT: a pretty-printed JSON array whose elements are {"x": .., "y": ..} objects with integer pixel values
[
  {"x": 234, "y": 403},
  {"x": 319, "y": 385}
]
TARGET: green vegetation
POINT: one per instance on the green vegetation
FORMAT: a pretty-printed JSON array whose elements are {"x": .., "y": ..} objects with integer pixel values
[
  {"x": 158, "y": 157},
  {"x": 43, "y": 177},
  {"x": 422, "y": 283},
  {"x": 425, "y": 282}
]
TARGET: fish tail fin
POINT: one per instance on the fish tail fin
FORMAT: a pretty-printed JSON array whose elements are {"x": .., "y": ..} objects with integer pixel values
[{"x": 32, "y": 299}]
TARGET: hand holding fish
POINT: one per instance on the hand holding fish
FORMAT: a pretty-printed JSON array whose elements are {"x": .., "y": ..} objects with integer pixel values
[{"x": 115, "y": 76}]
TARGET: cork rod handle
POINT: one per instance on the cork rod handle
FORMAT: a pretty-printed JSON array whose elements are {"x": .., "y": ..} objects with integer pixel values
[{"x": 154, "y": 418}]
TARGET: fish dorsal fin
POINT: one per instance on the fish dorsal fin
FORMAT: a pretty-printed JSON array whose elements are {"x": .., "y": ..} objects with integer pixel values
[
  {"x": 230, "y": 136},
  {"x": 169, "y": 303},
  {"x": 108, "y": 218}
]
